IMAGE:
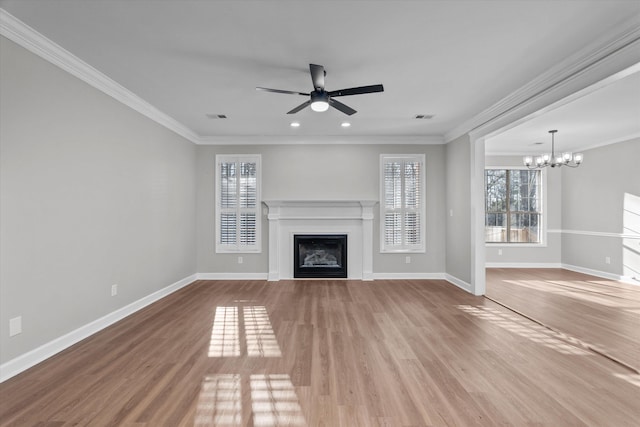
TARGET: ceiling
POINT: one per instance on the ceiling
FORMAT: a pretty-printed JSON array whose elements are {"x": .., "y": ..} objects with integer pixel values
[
  {"x": 605, "y": 114},
  {"x": 450, "y": 59}
]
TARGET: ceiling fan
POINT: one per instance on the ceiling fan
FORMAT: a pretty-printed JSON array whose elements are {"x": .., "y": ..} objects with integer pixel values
[{"x": 320, "y": 99}]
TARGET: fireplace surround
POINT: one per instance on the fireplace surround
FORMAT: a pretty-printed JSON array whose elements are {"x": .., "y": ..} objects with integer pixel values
[{"x": 288, "y": 218}]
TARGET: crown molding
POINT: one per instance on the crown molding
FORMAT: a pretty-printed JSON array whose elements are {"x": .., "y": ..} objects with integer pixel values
[
  {"x": 562, "y": 80},
  {"x": 19, "y": 32},
  {"x": 587, "y": 147},
  {"x": 321, "y": 139},
  {"x": 25, "y": 36},
  {"x": 598, "y": 60}
]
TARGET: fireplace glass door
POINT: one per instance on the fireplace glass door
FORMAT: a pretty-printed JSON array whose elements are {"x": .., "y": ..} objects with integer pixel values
[{"x": 320, "y": 256}]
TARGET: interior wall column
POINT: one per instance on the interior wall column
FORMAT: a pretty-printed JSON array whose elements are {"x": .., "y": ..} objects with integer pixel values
[
  {"x": 478, "y": 256},
  {"x": 367, "y": 239},
  {"x": 274, "y": 241}
]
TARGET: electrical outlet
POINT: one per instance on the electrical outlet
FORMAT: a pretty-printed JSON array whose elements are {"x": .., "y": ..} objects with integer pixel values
[
  {"x": 450, "y": 212},
  {"x": 240, "y": 260},
  {"x": 607, "y": 260},
  {"x": 15, "y": 326},
  {"x": 114, "y": 290},
  {"x": 407, "y": 260},
  {"x": 499, "y": 251}
]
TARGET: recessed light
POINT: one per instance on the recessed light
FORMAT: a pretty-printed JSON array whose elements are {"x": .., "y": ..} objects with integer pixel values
[
  {"x": 295, "y": 124},
  {"x": 345, "y": 124}
]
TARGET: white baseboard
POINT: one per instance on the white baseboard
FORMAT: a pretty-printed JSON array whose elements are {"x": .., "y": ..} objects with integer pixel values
[
  {"x": 265, "y": 276},
  {"x": 408, "y": 276},
  {"x": 459, "y": 283},
  {"x": 589, "y": 271},
  {"x": 425, "y": 276},
  {"x": 523, "y": 265},
  {"x": 603, "y": 274},
  {"x": 21, "y": 363},
  {"x": 232, "y": 276}
]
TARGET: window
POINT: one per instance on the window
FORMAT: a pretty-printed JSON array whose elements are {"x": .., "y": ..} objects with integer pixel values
[
  {"x": 513, "y": 208},
  {"x": 402, "y": 206},
  {"x": 238, "y": 203}
]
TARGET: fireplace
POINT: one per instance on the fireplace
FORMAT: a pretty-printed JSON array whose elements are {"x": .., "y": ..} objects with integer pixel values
[
  {"x": 320, "y": 256},
  {"x": 326, "y": 217}
]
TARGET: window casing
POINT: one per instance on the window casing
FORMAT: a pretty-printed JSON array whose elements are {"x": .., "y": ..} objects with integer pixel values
[
  {"x": 402, "y": 203},
  {"x": 238, "y": 220},
  {"x": 513, "y": 206}
]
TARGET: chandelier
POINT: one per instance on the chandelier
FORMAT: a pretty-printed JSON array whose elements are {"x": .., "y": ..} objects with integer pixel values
[{"x": 553, "y": 159}]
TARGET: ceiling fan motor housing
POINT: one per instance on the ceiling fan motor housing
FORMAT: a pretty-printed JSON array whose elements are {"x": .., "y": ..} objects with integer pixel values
[{"x": 319, "y": 100}]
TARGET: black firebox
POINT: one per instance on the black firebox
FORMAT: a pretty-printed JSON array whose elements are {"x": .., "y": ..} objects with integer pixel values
[{"x": 321, "y": 256}]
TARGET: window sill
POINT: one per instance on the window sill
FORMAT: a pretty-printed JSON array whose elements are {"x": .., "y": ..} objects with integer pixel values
[
  {"x": 403, "y": 251},
  {"x": 243, "y": 251},
  {"x": 515, "y": 245}
]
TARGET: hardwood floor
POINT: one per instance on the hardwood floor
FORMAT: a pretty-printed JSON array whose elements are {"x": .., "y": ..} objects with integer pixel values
[
  {"x": 324, "y": 353},
  {"x": 603, "y": 314}
]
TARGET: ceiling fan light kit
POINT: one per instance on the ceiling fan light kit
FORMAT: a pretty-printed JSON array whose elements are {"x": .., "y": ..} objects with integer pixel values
[
  {"x": 319, "y": 99},
  {"x": 554, "y": 160}
]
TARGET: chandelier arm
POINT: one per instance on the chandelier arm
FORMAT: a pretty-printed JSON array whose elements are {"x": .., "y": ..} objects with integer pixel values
[
  {"x": 546, "y": 160},
  {"x": 538, "y": 167}
]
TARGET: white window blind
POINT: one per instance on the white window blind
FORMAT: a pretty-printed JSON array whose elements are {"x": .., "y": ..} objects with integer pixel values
[
  {"x": 402, "y": 204},
  {"x": 238, "y": 203}
]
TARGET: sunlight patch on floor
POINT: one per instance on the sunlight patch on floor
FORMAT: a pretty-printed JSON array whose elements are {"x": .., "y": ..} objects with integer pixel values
[
  {"x": 630, "y": 378},
  {"x": 261, "y": 340},
  {"x": 219, "y": 403},
  {"x": 526, "y": 329},
  {"x": 230, "y": 324},
  {"x": 275, "y": 402},
  {"x": 557, "y": 288},
  {"x": 225, "y": 334}
]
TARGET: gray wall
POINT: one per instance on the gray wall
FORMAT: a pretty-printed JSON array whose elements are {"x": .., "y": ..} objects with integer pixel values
[
  {"x": 550, "y": 252},
  {"x": 598, "y": 197},
  {"x": 321, "y": 172},
  {"x": 458, "y": 213},
  {"x": 92, "y": 194}
]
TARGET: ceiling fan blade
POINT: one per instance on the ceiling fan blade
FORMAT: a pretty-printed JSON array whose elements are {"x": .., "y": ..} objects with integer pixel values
[
  {"x": 300, "y": 107},
  {"x": 289, "y": 92},
  {"x": 357, "y": 90},
  {"x": 340, "y": 106},
  {"x": 317, "y": 76}
]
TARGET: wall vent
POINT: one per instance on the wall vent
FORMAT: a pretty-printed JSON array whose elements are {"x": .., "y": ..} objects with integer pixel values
[
  {"x": 424, "y": 116},
  {"x": 216, "y": 116}
]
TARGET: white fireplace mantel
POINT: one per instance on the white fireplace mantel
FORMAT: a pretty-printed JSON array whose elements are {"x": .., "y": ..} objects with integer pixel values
[{"x": 351, "y": 217}]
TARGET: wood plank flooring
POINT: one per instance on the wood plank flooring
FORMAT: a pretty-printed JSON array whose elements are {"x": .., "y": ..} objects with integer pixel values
[
  {"x": 324, "y": 353},
  {"x": 603, "y": 314}
]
